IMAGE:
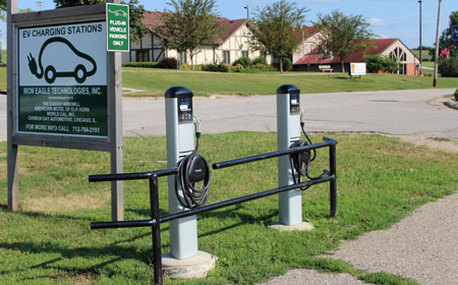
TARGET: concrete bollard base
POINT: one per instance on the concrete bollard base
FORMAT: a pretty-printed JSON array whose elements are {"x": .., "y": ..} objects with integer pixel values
[
  {"x": 196, "y": 266},
  {"x": 302, "y": 226}
]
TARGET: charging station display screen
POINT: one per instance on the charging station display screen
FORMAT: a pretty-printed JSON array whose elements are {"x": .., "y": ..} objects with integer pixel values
[
  {"x": 294, "y": 103},
  {"x": 185, "y": 109}
]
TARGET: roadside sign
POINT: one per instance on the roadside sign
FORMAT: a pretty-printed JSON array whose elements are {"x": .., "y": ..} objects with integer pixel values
[
  {"x": 455, "y": 33},
  {"x": 118, "y": 27},
  {"x": 357, "y": 68},
  {"x": 62, "y": 85}
]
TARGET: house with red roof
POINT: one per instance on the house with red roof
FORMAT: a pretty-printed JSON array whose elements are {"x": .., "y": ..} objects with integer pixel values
[
  {"x": 232, "y": 45},
  {"x": 314, "y": 59}
]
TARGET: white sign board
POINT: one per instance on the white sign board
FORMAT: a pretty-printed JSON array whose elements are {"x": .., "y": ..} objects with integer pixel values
[
  {"x": 357, "y": 68},
  {"x": 62, "y": 85}
]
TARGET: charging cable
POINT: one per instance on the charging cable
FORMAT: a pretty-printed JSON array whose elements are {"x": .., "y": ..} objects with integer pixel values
[
  {"x": 193, "y": 170},
  {"x": 300, "y": 162}
]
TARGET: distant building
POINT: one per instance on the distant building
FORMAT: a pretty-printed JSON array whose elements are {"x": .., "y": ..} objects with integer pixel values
[
  {"x": 232, "y": 45},
  {"x": 314, "y": 58}
]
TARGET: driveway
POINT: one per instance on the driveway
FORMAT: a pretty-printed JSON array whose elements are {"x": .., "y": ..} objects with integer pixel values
[{"x": 402, "y": 113}]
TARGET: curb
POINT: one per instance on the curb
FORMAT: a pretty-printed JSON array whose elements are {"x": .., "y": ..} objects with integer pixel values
[{"x": 450, "y": 104}]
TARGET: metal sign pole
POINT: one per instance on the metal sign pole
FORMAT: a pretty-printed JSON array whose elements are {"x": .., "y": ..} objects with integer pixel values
[{"x": 12, "y": 149}]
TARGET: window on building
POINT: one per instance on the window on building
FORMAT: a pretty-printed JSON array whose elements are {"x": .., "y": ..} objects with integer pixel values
[
  {"x": 245, "y": 53},
  {"x": 142, "y": 55},
  {"x": 226, "y": 57}
]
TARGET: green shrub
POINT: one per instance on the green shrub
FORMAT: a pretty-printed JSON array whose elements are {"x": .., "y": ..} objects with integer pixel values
[
  {"x": 224, "y": 68},
  {"x": 376, "y": 63},
  {"x": 168, "y": 62},
  {"x": 146, "y": 64},
  {"x": 287, "y": 64},
  {"x": 456, "y": 95},
  {"x": 186, "y": 67},
  {"x": 238, "y": 68},
  {"x": 259, "y": 60},
  {"x": 449, "y": 67},
  {"x": 259, "y": 67},
  {"x": 244, "y": 61},
  {"x": 216, "y": 68}
]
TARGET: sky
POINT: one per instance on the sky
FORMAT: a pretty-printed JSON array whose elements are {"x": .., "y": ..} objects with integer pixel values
[{"x": 388, "y": 18}]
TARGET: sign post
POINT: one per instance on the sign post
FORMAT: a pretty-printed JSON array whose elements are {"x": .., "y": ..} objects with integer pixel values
[
  {"x": 64, "y": 88},
  {"x": 357, "y": 68},
  {"x": 118, "y": 27}
]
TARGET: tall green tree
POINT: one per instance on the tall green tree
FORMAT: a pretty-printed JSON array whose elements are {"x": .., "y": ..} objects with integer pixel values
[
  {"x": 445, "y": 40},
  {"x": 277, "y": 29},
  {"x": 137, "y": 29},
  {"x": 343, "y": 35},
  {"x": 189, "y": 24}
]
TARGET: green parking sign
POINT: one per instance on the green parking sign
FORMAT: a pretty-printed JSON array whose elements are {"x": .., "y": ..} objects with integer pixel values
[{"x": 118, "y": 27}]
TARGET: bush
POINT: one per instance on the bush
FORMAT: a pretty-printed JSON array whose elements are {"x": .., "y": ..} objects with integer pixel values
[
  {"x": 146, "y": 64},
  {"x": 287, "y": 64},
  {"x": 216, "y": 68},
  {"x": 376, "y": 63},
  {"x": 168, "y": 62},
  {"x": 244, "y": 61},
  {"x": 449, "y": 67},
  {"x": 260, "y": 67},
  {"x": 259, "y": 60},
  {"x": 238, "y": 68},
  {"x": 456, "y": 95}
]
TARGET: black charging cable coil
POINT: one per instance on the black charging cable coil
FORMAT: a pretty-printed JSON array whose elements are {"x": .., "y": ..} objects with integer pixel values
[
  {"x": 300, "y": 162},
  {"x": 193, "y": 170}
]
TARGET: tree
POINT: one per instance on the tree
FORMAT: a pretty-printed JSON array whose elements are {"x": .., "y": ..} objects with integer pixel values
[
  {"x": 277, "y": 29},
  {"x": 137, "y": 29},
  {"x": 343, "y": 35},
  {"x": 191, "y": 24},
  {"x": 446, "y": 36}
]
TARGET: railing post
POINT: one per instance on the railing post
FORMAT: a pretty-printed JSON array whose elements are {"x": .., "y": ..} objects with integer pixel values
[
  {"x": 333, "y": 183},
  {"x": 156, "y": 229}
]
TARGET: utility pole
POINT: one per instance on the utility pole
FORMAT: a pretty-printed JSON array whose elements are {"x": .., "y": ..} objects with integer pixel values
[
  {"x": 421, "y": 59},
  {"x": 436, "y": 54}
]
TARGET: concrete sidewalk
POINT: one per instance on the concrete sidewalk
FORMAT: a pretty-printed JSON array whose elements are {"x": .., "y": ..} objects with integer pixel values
[{"x": 423, "y": 247}]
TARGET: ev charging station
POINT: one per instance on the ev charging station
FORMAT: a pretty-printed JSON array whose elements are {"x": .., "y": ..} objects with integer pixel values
[
  {"x": 180, "y": 143},
  {"x": 288, "y": 133},
  {"x": 182, "y": 126}
]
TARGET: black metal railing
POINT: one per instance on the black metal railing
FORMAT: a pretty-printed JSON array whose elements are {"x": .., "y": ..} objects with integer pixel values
[{"x": 156, "y": 219}]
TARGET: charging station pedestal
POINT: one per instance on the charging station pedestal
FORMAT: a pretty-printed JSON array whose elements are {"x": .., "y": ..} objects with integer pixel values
[
  {"x": 288, "y": 131},
  {"x": 184, "y": 260}
]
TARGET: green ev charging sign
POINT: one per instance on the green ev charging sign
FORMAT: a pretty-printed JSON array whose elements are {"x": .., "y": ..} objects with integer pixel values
[
  {"x": 62, "y": 85},
  {"x": 117, "y": 27}
]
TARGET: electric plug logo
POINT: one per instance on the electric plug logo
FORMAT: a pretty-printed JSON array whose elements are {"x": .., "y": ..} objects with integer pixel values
[
  {"x": 50, "y": 73},
  {"x": 119, "y": 13}
]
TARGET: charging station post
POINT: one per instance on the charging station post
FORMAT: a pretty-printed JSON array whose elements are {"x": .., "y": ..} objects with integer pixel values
[
  {"x": 180, "y": 142},
  {"x": 184, "y": 260},
  {"x": 288, "y": 132}
]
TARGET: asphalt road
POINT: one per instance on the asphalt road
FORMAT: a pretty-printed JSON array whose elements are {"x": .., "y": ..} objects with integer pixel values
[
  {"x": 406, "y": 112},
  {"x": 403, "y": 112}
]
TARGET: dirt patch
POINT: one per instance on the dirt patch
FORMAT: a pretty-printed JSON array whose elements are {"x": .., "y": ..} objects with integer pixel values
[
  {"x": 445, "y": 145},
  {"x": 52, "y": 204}
]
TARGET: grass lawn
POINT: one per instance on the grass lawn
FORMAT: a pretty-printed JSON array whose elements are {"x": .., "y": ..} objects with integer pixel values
[
  {"x": 381, "y": 179},
  {"x": 156, "y": 81}
]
